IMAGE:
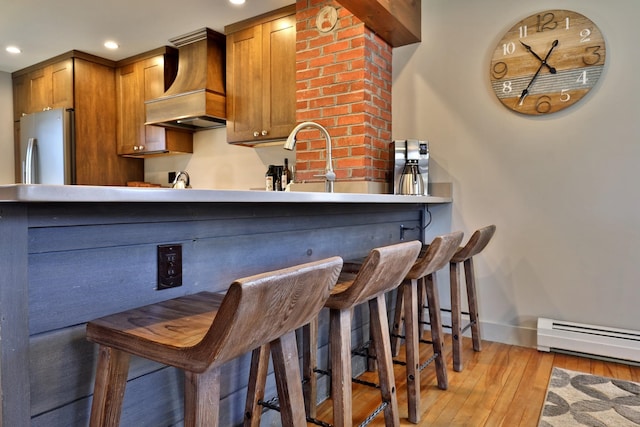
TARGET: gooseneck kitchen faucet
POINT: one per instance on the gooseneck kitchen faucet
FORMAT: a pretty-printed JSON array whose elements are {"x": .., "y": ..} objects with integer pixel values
[{"x": 329, "y": 174}]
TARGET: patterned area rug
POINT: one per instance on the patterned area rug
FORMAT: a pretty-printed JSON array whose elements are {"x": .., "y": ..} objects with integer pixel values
[{"x": 579, "y": 399}]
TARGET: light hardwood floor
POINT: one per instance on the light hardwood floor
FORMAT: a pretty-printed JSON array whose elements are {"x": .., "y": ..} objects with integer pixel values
[{"x": 503, "y": 385}]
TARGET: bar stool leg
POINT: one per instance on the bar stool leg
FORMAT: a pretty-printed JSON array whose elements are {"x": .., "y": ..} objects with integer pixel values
[
  {"x": 309, "y": 362},
  {"x": 470, "y": 279},
  {"x": 111, "y": 379},
  {"x": 382, "y": 345},
  {"x": 372, "y": 358},
  {"x": 202, "y": 398},
  {"x": 284, "y": 353},
  {"x": 436, "y": 330},
  {"x": 398, "y": 321},
  {"x": 456, "y": 318},
  {"x": 410, "y": 296},
  {"x": 340, "y": 354},
  {"x": 257, "y": 382},
  {"x": 422, "y": 303}
]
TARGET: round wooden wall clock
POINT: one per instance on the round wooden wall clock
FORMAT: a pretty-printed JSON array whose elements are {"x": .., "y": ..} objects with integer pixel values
[{"x": 547, "y": 62}]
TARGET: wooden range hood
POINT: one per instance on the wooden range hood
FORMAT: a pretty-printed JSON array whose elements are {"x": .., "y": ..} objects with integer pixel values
[{"x": 196, "y": 99}]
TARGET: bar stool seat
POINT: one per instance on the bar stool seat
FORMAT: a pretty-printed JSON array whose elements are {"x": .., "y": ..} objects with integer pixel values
[
  {"x": 198, "y": 333},
  {"x": 434, "y": 257},
  {"x": 464, "y": 255}
]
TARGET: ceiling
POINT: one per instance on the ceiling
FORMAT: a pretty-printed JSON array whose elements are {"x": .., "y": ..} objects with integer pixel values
[{"x": 43, "y": 28}]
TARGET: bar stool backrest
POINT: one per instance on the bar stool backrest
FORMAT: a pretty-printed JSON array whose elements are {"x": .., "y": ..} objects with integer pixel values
[
  {"x": 478, "y": 241},
  {"x": 437, "y": 255},
  {"x": 259, "y": 309},
  {"x": 382, "y": 270}
]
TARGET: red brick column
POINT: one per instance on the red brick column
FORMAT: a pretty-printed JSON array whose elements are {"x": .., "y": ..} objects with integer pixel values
[{"x": 343, "y": 83}]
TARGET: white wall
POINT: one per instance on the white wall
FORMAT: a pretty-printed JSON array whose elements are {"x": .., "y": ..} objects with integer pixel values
[
  {"x": 6, "y": 129},
  {"x": 215, "y": 164},
  {"x": 563, "y": 190}
]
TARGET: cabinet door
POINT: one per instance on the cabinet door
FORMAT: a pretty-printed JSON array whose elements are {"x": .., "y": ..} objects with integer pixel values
[
  {"x": 20, "y": 96},
  {"x": 244, "y": 84},
  {"x": 129, "y": 94},
  {"x": 152, "y": 73},
  {"x": 39, "y": 83},
  {"x": 62, "y": 84},
  {"x": 279, "y": 90}
]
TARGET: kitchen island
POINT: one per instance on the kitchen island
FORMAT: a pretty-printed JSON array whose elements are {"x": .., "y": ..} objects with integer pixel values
[{"x": 74, "y": 253}]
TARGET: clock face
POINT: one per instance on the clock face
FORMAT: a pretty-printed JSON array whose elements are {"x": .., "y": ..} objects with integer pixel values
[{"x": 547, "y": 62}]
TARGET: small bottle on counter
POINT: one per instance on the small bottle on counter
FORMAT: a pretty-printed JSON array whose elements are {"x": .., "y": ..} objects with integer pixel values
[
  {"x": 277, "y": 178},
  {"x": 269, "y": 179},
  {"x": 287, "y": 176}
]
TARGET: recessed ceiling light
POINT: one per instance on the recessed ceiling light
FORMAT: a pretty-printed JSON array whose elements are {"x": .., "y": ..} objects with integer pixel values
[
  {"x": 13, "y": 49},
  {"x": 236, "y": 1},
  {"x": 111, "y": 45}
]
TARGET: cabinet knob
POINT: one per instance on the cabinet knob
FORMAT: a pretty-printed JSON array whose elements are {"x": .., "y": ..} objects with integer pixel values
[
  {"x": 256, "y": 134},
  {"x": 264, "y": 133}
]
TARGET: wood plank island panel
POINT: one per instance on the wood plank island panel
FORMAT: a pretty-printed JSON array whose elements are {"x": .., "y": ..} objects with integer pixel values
[{"x": 70, "y": 262}]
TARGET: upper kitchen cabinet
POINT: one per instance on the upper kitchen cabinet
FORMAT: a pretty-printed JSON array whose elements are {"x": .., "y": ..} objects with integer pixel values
[
  {"x": 84, "y": 83},
  {"x": 139, "y": 79},
  {"x": 261, "y": 77},
  {"x": 49, "y": 86}
]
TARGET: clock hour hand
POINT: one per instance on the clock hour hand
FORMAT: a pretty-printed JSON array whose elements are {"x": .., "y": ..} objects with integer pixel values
[
  {"x": 553, "y": 46},
  {"x": 552, "y": 70}
]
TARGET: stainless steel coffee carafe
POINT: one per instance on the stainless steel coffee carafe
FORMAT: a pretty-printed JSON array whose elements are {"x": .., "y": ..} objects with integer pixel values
[
  {"x": 411, "y": 167},
  {"x": 411, "y": 181}
]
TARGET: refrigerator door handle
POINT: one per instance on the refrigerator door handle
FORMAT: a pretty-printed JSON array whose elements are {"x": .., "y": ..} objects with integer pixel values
[{"x": 30, "y": 159}]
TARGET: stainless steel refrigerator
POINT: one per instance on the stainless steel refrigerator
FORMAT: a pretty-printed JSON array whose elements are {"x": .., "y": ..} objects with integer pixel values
[{"x": 47, "y": 149}]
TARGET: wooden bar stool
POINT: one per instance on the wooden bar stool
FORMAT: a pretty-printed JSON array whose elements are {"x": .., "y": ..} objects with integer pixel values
[
  {"x": 382, "y": 270},
  {"x": 433, "y": 258},
  {"x": 198, "y": 333},
  {"x": 464, "y": 255}
]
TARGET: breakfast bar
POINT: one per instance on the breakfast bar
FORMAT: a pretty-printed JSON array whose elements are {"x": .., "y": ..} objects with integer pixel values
[{"x": 74, "y": 253}]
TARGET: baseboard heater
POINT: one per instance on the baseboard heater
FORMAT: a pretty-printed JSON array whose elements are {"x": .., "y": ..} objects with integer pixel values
[{"x": 557, "y": 335}]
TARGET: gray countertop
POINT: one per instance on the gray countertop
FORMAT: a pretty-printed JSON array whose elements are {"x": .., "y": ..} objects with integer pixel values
[{"x": 81, "y": 193}]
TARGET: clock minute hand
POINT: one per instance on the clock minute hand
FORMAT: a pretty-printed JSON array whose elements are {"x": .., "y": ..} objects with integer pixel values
[
  {"x": 552, "y": 70},
  {"x": 525, "y": 92}
]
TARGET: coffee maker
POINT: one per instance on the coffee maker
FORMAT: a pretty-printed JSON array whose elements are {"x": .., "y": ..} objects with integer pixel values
[{"x": 411, "y": 167}]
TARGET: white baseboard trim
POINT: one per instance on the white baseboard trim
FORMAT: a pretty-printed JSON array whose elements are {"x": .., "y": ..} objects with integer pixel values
[{"x": 497, "y": 332}]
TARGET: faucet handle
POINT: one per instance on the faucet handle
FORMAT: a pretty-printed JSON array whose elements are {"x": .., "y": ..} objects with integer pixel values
[
  {"x": 330, "y": 178},
  {"x": 329, "y": 175}
]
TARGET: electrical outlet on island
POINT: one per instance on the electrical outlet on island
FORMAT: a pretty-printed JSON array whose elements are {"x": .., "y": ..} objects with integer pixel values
[{"x": 169, "y": 266}]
